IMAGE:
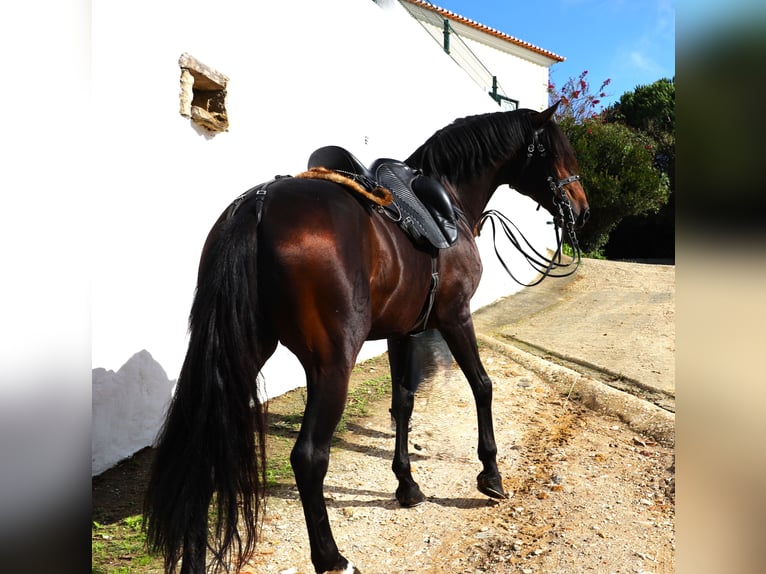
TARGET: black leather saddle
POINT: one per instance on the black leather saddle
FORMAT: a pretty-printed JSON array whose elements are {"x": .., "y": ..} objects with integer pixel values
[{"x": 421, "y": 205}]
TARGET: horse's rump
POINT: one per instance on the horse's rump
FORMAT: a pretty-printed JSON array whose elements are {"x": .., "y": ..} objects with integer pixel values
[{"x": 324, "y": 253}]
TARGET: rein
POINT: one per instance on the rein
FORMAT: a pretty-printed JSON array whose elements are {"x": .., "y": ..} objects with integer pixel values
[{"x": 545, "y": 266}]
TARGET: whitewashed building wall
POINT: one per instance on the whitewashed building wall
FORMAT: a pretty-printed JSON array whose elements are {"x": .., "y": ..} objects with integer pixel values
[
  {"x": 522, "y": 78},
  {"x": 302, "y": 74}
]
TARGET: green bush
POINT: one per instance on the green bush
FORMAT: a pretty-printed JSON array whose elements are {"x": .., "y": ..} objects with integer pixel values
[{"x": 618, "y": 175}]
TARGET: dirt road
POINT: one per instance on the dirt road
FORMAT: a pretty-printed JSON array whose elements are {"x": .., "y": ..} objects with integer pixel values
[{"x": 588, "y": 494}]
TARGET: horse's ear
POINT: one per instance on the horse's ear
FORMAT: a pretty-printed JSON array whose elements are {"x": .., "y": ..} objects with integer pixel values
[{"x": 539, "y": 119}]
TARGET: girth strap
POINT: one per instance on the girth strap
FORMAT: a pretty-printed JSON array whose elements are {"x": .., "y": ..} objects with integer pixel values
[{"x": 422, "y": 321}]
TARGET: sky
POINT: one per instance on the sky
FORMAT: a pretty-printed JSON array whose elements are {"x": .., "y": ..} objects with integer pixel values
[{"x": 630, "y": 42}]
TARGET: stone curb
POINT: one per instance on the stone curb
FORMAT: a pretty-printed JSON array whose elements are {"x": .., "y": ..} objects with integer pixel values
[{"x": 641, "y": 416}]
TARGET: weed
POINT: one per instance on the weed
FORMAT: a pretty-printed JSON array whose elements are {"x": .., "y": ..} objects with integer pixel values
[
  {"x": 120, "y": 548},
  {"x": 359, "y": 399}
]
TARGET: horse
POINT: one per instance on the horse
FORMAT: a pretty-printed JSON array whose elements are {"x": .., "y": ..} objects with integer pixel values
[{"x": 311, "y": 266}]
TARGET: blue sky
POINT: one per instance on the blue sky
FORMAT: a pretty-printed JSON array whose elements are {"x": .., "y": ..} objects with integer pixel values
[{"x": 632, "y": 42}]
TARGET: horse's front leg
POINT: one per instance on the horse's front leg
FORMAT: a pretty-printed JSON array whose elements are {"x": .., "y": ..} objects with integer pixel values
[
  {"x": 461, "y": 339},
  {"x": 406, "y": 374}
]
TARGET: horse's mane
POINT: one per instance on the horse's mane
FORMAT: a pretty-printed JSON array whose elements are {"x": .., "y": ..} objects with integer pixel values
[
  {"x": 460, "y": 150},
  {"x": 468, "y": 145}
]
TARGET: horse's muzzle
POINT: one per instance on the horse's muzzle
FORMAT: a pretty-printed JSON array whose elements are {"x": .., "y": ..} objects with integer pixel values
[{"x": 582, "y": 218}]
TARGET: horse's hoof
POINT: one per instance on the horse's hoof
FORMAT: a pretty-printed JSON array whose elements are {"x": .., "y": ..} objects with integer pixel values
[
  {"x": 410, "y": 497},
  {"x": 349, "y": 569},
  {"x": 491, "y": 485}
]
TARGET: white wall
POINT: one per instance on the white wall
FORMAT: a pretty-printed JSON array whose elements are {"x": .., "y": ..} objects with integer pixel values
[
  {"x": 521, "y": 79},
  {"x": 138, "y": 392},
  {"x": 300, "y": 77}
]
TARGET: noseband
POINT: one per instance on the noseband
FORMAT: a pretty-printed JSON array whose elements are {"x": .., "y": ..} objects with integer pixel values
[{"x": 563, "y": 219}]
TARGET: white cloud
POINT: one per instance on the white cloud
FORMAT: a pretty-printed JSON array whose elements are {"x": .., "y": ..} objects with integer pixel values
[{"x": 643, "y": 62}]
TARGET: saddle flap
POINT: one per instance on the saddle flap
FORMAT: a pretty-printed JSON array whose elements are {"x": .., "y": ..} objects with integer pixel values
[
  {"x": 426, "y": 210},
  {"x": 439, "y": 204}
]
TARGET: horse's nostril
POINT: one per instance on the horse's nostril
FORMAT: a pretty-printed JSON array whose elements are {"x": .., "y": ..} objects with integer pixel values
[{"x": 584, "y": 215}]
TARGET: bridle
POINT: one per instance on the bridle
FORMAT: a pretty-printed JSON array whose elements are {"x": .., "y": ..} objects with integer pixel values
[{"x": 563, "y": 219}]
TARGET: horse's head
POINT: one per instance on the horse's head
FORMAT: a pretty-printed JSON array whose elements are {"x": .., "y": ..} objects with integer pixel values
[{"x": 549, "y": 174}]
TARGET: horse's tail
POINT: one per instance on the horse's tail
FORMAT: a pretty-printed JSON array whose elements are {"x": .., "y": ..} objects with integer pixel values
[{"x": 212, "y": 442}]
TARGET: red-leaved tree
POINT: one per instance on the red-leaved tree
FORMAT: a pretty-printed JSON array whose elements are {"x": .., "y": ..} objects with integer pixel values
[{"x": 578, "y": 100}]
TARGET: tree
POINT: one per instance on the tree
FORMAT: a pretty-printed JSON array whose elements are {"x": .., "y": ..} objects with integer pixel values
[
  {"x": 651, "y": 110},
  {"x": 576, "y": 98},
  {"x": 617, "y": 167},
  {"x": 617, "y": 162}
]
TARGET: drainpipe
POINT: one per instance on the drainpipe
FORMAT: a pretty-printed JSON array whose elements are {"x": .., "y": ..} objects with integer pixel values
[
  {"x": 446, "y": 35},
  {"x": 494, "y": 89}
]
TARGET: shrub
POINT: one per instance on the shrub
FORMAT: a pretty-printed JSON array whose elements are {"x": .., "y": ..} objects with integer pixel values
[{"x": 618, "y": 174}]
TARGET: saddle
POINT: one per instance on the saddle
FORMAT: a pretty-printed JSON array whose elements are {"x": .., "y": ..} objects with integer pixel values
[{"x": 418, "y": 204}]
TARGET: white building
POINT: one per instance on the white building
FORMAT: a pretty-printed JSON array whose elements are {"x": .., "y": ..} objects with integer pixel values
[
  {"x": 512, "y": 70},
  {"x": 298, "y": 74}
]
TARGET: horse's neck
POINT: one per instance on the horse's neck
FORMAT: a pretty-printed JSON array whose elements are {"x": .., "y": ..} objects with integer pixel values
[{"x": 473, "y": 196}]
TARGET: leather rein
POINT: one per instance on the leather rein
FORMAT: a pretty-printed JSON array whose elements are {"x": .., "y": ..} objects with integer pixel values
[{"x": 553, "y": 266}]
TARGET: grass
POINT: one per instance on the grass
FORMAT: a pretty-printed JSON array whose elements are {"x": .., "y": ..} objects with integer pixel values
[
  {"x": 598, "y": 254},
  {"x": 278, "y": 467},
  {"x": 119, "y": 548},
  {"x": 371, "y": 389}
]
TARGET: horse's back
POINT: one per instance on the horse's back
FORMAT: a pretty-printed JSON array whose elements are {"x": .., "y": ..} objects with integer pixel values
[{"x": 315, "y": 229}]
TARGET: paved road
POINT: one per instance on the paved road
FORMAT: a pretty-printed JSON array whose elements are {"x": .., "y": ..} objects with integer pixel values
[{"x": 613, "y": 322}]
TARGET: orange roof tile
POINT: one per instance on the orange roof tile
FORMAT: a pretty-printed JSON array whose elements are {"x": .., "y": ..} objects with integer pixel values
[{"x": 486, "y": 29}]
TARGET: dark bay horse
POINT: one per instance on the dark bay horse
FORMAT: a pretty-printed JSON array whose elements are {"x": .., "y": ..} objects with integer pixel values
[{"x": 311, "y": 266}]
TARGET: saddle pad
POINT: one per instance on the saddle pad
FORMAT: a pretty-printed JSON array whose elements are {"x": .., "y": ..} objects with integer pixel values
[
  {"x": 415, "y": 218},
  {"x": 376, "y": 194}
]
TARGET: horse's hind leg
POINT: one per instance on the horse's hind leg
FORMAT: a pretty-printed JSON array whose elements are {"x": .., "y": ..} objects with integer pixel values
[
  {"x": 195, "y": 547},
  {"x": 406, "y": 375},
  {"x": 310, "y": 459},
  {"x": 461, "y": 339}
]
